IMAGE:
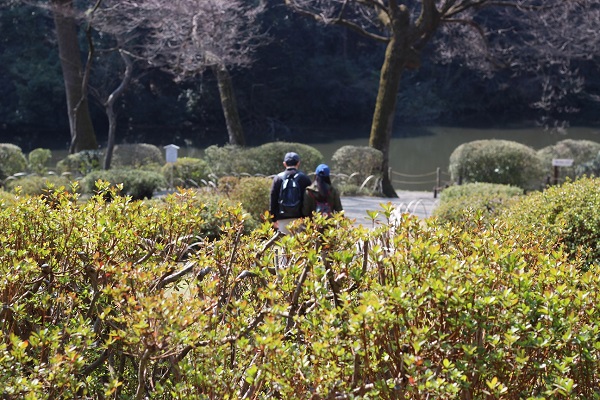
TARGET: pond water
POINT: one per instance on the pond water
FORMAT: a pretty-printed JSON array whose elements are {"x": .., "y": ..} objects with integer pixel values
[
  {"x": 420, "y": 156},
  {"x": 416, "y": 155}
]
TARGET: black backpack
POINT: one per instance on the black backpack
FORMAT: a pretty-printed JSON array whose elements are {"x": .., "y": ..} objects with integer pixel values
[{"x": 290, "y": 196}]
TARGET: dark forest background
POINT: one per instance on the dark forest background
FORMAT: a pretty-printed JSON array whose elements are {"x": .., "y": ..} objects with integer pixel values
[{"x": 308, "y": 75}]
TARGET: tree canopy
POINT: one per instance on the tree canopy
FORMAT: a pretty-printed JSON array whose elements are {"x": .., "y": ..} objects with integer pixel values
[{"x": 308, "y": 74}]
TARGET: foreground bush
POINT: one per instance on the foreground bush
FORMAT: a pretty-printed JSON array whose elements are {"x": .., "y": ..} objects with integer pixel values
[
  {"x": 497, "y": 161},
  {"x": 566, "y": 215},
  {"x": 146, "y": 308},
  {"x": 459, "y": 203}
]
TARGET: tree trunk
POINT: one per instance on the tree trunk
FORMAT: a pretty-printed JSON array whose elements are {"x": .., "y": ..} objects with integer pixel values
[
  {"x": 229, "y": 105},
  {"x": 109, "y": 107},
  {"x": 82, "y": 132},
  {"x": 385, "y": 107}
]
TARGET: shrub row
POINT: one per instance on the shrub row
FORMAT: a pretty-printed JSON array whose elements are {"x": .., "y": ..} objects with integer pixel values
[
  {"x": 148, "y": 307},
  {"x": 511, "y": 163}
]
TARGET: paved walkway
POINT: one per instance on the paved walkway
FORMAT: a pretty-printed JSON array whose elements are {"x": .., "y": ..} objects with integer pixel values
[{"x": 421, "y": 204}]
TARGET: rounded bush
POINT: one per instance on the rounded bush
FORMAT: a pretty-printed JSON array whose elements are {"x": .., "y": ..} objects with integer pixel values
[
  {"x": 186, "y": 172},
  {"x": 566, "y": 214},
  {"x": 253, "y": 193},
  {"x": 266, "y": 159},
  {"x": 81, "y": 163},
  {"x": 458, "y": 203},
  {"x": 38, "y": 160},
  {"x": 36, "y": 185},
  {"x": 226, "y": 184},
  {"x": 12, "y": 160},
  {"x": 138, "y": 184},
  {"x": 590, "y": 168},
  {"x": 229, "y": 160},
  {"x": 496, "y": 161},
  {"x": 360, "y": 162},
  {"x": 137, "y": 155},
  {"x": 269, "y": 157},
  {"x": 6, "y": 199},
  {"x": 580, "y": 151}
]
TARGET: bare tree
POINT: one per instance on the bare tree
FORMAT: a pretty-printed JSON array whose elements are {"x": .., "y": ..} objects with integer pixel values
[
  {"x": 407, "y": 26},
  {"x": 109, "y": 19},
  {"x": 187, "y": 37}
]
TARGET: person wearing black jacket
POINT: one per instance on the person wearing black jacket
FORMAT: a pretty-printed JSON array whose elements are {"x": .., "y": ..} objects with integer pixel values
[{"x": 280, "y": 218}]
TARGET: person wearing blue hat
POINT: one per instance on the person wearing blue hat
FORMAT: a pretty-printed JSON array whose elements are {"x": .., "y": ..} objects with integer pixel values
[
  {"x": 321, "y": 196},
  {"x": 287, "y": 193}
]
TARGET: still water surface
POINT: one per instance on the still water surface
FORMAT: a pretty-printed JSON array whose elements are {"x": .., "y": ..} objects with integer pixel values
[{"x": 419, "y": 155}]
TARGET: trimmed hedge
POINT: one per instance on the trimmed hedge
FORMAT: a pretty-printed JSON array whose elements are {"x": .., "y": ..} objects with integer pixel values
[
  {"x": 137, "y": 155},
  {"x": 564, "y": 215},
  {"x": 81, "y": 163},
  {"x": 359, "y": 162},
  {"x": 580, "y": 151},
  {"x": 460, "y": 203},
  {"x": 497, "y": 161},
  {"x": 186, "y": 172},
  {"x": 266, "y": 159},
  {"x": 12, "y": 160},
  {"x": 254, "y": 195}
]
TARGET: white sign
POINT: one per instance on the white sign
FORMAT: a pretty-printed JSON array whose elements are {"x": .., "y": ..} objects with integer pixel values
[
  {"x": 562, "y": 162},
  {"x": 171, "y": 153}
]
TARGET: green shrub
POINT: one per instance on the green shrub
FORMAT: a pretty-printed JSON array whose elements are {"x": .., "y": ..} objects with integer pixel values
[
  {"x": 38, "y": 160},
  {"x": 226, "y": 184},
  {"x": 138, "y": 184},
  {"x": 137, "y": 155},
  {"x": 36, "y": 185},
  {"x": 580, "y": 151},
  {"x": 6, "y": 199},
  {"x": 459, "y": 203},
  {"x": 125, "y": 299},
  {"x": 229, "y": 160},
  {"x": 496, "y": 161},
  {"x": 186, "y": 172},
  {"x": 358, "y": 162},
  {"x": 12, "y": 160},
  {"x": 81, "y": 163},
  {"x": 266, "y": 159},
  {"x": 269, "y": 157},
  {"x": 566, "y": 214},
  {"x": 590, "y": 168},
  {"x": 254, "y": 195}
]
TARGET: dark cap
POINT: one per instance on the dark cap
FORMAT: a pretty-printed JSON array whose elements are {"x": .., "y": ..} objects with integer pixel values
[
  {"x": 322, "y": 170},
  {"x": 291, "y": 158}
]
